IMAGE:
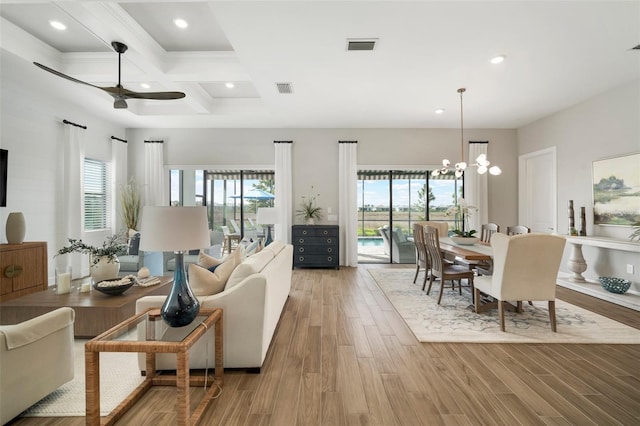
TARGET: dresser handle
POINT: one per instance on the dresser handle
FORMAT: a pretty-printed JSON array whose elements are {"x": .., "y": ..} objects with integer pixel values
[
  {"x": 325, "y": 232},
  {"x": 329, "y": 258},
  {"x": 301, "y": 249},
  {"x": 301, "y": 240},
  {"x": 301, "y": 259},
  {"x": 329, "y": 249},
  {"x": 329, "y": 240},
  {"x": 304, "y": 232},
  {"x": 12, "y": 271}
]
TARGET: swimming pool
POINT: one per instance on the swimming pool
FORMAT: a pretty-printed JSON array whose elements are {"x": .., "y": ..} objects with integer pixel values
[{"x": 370, "y": 241}]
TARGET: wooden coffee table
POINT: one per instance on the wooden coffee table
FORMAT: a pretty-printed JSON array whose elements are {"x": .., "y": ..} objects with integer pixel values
[
  {"x": 143, "y": 333},
  {"x": 95, "y": 312}
]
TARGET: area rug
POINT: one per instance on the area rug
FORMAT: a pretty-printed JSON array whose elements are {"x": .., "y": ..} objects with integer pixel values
[
  {"x": 119, "y": 376},
  {"x": 455, "y": 321}
]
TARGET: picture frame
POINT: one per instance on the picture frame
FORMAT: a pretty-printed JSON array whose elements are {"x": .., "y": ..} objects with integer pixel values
[{"x": 616, "y": 190}]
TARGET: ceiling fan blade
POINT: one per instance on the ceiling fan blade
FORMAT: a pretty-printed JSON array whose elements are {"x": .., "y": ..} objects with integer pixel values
[
  {"x": 59, "y": 74},
  {"x": 152, "y": 95}
]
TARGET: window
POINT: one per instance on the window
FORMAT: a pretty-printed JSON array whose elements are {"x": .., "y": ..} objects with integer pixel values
[{"x": 97, "y": 195}]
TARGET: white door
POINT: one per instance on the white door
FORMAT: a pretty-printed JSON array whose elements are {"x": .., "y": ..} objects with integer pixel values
[{"x": 538, "y": 191}]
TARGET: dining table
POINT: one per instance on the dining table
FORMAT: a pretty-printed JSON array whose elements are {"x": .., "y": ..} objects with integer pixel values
[{"x": 479, "y": 251}]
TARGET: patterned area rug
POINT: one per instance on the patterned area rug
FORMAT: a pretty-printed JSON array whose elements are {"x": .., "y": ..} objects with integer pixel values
[
  {"x": 455, "y": 321},
  {"x": 119, "y": 376}
]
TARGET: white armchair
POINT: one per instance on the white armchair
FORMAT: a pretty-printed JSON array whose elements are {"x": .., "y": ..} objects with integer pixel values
[
  {"x": 525, "y": 267},
  {"x": 36, "y": 357}
]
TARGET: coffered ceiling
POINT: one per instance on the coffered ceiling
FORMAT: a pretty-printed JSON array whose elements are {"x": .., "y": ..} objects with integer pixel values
[{"x": 558, "y": 53}]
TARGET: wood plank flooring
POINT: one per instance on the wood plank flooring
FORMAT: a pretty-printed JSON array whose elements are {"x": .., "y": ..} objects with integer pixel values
[{"x": 342, "y": 356}]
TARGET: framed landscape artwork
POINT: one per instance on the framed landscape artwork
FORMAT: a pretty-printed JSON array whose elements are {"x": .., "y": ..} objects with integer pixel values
[{"x": 616, "y": 190}]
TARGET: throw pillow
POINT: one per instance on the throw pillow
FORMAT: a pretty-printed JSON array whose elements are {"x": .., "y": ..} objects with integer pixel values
[
  {"x": 207, "y": 261},
  {"x": 251, "y": 248},
  {"x": 203, "y": 282}
]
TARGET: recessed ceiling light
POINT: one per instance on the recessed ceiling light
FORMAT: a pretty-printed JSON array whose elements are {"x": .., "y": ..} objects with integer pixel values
[
  {"x": 230, "y": 85},
  {"x": 180, "y": 23},
  {"x": 58, "y": 25},
  {"x": 498, "y": 59},
  {"x": 439, "y": 111},
  {"x": 145, "y": 85}
]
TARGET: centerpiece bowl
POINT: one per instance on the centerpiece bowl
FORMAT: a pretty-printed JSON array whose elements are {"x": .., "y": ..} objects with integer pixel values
[
  {"x": 114, "y": 286},
  {"x": 464, "y": 241},
  {"x": 615, "y": 285}
]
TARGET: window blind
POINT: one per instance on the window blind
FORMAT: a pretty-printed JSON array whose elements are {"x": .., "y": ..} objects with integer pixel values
[{"x": 97, "y": 195}]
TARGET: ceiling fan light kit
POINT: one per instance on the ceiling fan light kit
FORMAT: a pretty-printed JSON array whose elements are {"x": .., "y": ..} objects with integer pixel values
[
  {"x": 118, "y": 92},
  {"x": 482, "y": 163}
]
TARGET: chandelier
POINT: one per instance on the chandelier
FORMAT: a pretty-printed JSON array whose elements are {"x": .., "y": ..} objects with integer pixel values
[{"x": 481, "y": 163}]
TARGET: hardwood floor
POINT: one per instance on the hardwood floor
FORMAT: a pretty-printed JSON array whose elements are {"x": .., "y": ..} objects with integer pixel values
[{"x": 342, "y": 356}]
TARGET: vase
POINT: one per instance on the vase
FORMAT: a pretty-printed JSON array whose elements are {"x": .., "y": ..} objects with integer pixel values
[
  {"x": 180, "y": 307},
  {"x": 311, "y": 221},
  {"x": 103, "y": 269},
  {"x": 15, "y": 228}
]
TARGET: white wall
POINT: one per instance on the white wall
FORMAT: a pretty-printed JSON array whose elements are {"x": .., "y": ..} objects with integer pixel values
[
  {"x": 315, "y": 156},
  {"x": 31, "y": 130},
  {"x": 604, "y": 126}
]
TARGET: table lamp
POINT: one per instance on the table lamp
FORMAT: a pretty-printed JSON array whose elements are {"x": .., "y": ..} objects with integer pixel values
[
  {"x": 267, "y": 216},
  {"x": 176, "y": 229}
]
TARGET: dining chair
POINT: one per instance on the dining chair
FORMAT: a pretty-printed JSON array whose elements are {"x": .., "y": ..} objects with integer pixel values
[
  {"x": 422, "y": 258},
  {"x": 440, "y": 268},
  {"x": 518, "y": 230},
  {"x": 518, "y": 275}
]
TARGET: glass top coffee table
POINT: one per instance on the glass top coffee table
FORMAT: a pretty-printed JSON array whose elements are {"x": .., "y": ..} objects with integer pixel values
[{"x": 143, "y": 333}]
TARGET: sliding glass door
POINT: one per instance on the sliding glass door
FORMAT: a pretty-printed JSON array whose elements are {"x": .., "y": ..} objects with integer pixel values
[{"x": 390, "y": 201}]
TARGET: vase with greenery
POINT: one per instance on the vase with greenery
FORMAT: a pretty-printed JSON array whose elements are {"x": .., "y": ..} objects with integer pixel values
[
  {"x": 111, "y": 248},
  {"x": 309, "y": 210},
  {"x": 131, "y": 204}
]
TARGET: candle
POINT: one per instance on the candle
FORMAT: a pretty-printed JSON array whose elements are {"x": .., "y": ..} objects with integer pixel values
[
  {"x": 85, "y": 288},
  {"x": 64, "y": 283}
]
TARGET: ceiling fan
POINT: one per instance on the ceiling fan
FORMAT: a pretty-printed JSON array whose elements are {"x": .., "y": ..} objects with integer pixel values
[{"x": 119, "y": 93}]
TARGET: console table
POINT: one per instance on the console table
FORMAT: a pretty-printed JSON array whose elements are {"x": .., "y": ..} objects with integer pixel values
[
  {"x": 577, "y": 265},
  {"x": 95, "y": 312}
]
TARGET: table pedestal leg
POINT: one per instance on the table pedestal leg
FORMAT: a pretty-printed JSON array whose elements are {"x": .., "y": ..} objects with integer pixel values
[{"x": 577, "y": 264}]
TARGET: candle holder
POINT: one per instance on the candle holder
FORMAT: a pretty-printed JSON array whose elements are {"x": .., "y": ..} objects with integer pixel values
[
  {"x": 63, "y": 279},
  {"x": 583, "y": 222}
]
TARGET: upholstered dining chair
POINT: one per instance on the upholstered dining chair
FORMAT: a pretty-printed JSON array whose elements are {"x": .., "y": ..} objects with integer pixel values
[
  {"x": 525, "y": 267},
  {"x": 518, "y": 230},
  {"x": 422, "y": 258},
  {"x": 440, "y": 268}
]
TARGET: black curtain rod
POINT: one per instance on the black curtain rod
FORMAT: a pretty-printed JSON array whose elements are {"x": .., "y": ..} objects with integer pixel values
[
  {"x": 118, "y": 139},
  {"x": 153, "y": 141},
  {"x": 478, "y": 141},
  {"x": 282, "y": 141},
  {"x": 347, "y": 141},
  {"x": 74, "y": 124}
]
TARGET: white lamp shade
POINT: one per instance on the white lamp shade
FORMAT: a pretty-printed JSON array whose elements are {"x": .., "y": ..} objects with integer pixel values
[
  {"x": 267, "y": 215},
  {"x": 174, "y": 228}
]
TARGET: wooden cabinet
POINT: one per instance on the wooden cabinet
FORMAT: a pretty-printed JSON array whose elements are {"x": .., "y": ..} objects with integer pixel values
[
  {"x": 315, "y": 246},
  {"x": 23, "y": 269}
]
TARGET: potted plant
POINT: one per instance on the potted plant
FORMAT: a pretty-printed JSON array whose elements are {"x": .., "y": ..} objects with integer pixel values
[
  {"x": 308, "y": 210},
  {"x": 130, "y": 201},
  {"x": 104, "y": 259},
  {"x": 463, "y": 234}
]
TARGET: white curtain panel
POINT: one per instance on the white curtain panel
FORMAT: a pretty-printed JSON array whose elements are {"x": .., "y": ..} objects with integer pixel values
[
  {"x": 475, "y": 187},
  {"x": 348, "y": 202},
  {"x": 73, "y": 199},
  {"x": 120, "y": 179},
  {"x": 283, "y": 202},
  {"x": 153, "y": 173}
]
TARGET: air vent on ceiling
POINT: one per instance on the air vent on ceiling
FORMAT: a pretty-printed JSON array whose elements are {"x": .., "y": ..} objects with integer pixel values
[
  {"x": 361, "y": 44},
  {"x": 636, "y": 48},
  {"x": 284, "y": 88}
]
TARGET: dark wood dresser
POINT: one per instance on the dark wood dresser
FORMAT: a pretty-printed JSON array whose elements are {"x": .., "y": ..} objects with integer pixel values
[{"x": 315, "y": 246}]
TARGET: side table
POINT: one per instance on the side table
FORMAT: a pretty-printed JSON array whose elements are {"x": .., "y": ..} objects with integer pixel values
[{"x": 142, "y": 333}]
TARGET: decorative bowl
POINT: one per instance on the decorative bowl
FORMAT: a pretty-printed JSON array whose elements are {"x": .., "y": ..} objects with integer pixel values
[
  {"x": 615, "y": 285},
  {"x": 114, "y": 286},
  {"x": 464, "y": 241}
]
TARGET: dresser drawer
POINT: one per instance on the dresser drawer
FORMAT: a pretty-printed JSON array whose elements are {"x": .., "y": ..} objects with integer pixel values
[
  {"x": 315, "y": 231},
  {"x": 327, "y": 241},
  {"x": 315, "y": 261}
]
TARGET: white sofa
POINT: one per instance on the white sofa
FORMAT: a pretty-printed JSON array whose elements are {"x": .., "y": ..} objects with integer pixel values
[
  {"x": 36, "y": 358},
  {"x": 252, "y": 308}
]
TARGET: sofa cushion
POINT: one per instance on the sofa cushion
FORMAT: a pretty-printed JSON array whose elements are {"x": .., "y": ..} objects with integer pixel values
[
  {"x": 207, "y": 261},
  {"x": 203, "y": 282},
  {"x": 251, "y": 265},
  {"x": 275, "y": 247}
]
